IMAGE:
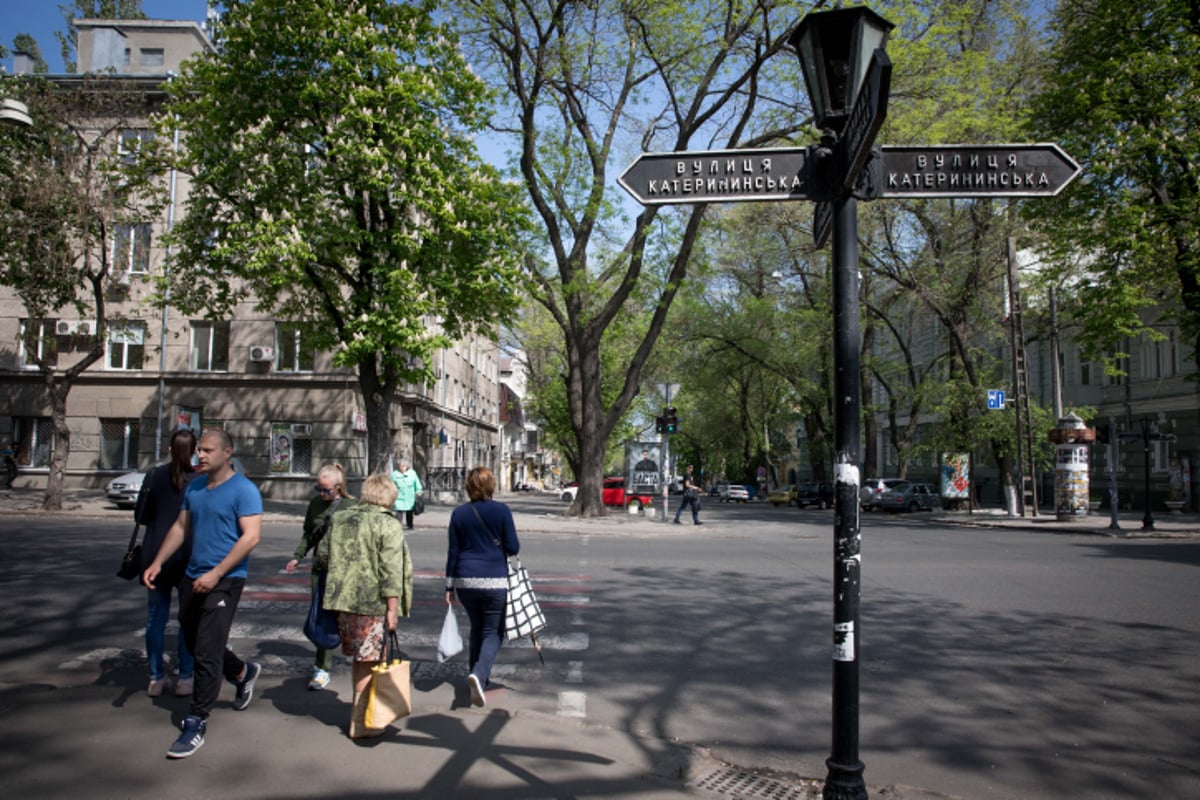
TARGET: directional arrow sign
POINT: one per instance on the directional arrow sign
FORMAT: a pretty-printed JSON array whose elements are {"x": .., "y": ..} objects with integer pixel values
[
  {"x": 976, "y": 170},
  {"x": 719, "y": 176},
  {"x": 865, "y": 120}
]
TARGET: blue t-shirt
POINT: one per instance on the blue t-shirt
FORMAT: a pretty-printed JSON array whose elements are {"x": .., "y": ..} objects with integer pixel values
[{"x": 214, "y": 515}]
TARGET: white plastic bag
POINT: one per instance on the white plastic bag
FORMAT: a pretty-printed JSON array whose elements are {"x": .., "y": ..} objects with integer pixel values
[{"x": 450, "y": 643}]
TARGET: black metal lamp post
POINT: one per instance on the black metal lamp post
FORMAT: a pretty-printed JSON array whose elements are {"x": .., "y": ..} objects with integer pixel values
[{"x": 836, "y": 50}]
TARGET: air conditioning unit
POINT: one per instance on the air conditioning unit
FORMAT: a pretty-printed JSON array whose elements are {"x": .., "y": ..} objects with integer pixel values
[
  {"x": 302, "y": 429},
  {"x": 82, "y": 327},
  {"x": 262, "y": 352}
]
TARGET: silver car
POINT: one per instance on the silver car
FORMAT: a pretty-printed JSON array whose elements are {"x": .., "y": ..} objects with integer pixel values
[
  {"x": 906, "y": 496},
  {"x": 123, "y": 491},
  {"x": 872, "y": 488}
]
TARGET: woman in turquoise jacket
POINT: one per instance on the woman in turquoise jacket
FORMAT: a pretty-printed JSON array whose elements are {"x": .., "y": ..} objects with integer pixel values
[{"x": 408, "y": 487}]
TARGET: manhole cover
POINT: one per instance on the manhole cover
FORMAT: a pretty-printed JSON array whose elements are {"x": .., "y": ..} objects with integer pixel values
[{"x": 742, "y": 784}]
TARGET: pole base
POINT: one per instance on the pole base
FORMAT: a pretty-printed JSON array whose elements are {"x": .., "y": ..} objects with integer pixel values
[{"x": 844, "y": 781}]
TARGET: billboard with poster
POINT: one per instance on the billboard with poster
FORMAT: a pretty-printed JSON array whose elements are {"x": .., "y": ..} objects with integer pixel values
[
  {"x": 956, "y": 476},
  {"x": 643, "y": 475}
]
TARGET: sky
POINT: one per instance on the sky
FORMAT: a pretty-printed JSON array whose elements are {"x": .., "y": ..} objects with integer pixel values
[{"x": 41, "y": 18}]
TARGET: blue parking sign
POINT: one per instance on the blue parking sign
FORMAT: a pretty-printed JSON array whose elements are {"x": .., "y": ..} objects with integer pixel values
[{"x": 995, "y": 399}]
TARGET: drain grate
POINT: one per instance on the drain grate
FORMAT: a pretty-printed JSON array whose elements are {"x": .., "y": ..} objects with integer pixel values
[{"x": 738, "y": 783}]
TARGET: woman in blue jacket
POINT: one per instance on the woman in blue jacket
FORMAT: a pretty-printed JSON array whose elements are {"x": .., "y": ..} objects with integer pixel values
[{"x": 481, "y": 537}]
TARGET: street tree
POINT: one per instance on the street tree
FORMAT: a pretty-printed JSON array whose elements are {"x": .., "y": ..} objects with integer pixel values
[
  {"x": 584, "y": 88},
  {"x": 335, "y": 182},
  {"x": 91, "y": 9},
  {"x": 933, "y": 299},
  {"x": 68, "y": 189},
  {"x": 1119, "y": 93}
]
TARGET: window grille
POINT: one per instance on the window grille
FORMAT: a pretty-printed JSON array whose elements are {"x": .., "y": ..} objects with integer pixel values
[{"x": 119, "y": 443}]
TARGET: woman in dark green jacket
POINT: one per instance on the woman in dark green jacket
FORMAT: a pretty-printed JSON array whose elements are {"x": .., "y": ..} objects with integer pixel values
[{"x": 331, "y": 495}]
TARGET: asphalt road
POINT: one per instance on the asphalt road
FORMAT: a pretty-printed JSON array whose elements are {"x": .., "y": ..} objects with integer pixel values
[{"x": 995, "y": 663}]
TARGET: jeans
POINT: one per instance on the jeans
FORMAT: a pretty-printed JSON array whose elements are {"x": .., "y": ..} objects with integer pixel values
[
  {"x": 205, "y": 620},
  {"x": 695, "y": 504},
  {"x": 324, "y": 657},
  {"x": 158, "y": 610},
  {"x": 485, "y": 610}
]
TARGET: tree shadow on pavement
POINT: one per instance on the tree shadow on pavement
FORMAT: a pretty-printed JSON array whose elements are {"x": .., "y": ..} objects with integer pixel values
[{"x": 1020, "y": 704}]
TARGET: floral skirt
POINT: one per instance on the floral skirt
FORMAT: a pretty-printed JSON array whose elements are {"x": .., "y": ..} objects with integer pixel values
[{"x": 362, "y": 636}]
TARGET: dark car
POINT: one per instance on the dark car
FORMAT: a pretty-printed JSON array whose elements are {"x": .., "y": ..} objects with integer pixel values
[
  {"x": 906, "y": 496},
  {"x": 815, "y": 494}
]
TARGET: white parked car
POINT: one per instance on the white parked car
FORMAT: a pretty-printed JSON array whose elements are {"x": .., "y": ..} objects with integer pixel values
[
  {"x": 568, "y": 492},
  {"x": 735, "y": 492},
  {"x": 123, "y": 491}
]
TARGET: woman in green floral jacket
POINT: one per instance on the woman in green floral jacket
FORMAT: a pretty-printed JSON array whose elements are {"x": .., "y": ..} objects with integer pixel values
[{"x": 368, "y": 582}]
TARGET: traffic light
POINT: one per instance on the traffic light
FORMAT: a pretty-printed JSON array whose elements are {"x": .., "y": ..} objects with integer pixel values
[
  {"x": 672, "y": 422},
  {"x": 660, "y": 424}
]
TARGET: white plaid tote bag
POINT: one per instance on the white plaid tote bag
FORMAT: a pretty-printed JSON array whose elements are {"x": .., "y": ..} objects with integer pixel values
[{"x": 522, "y": 614}]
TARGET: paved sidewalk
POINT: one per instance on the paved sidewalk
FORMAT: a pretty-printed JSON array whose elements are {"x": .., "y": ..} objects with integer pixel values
[
  {"x": 92, "y": 503},
  {"x": 91, "y": 731}
]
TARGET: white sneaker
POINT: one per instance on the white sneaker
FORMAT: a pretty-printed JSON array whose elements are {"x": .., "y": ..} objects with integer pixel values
[
  {"x": 477, "y": 698},
  {"x": 320, "y": 679}
]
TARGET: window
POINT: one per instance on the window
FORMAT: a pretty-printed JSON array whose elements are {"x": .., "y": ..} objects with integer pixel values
[
  {"x": 151, "y": 56},
  {"x": 291, "y": 448},
  {"x": 40, "y": 342},
  {"x": 119, "y": 443},
  {"x": 130, "y": 143},
  {"x": 210, "y": 347},
  {"x": 291, "y": 355},
  {"x": 131, "y": 248},
  {"x": 34, "y": 437},
  {"x": 126, "y": 345}
]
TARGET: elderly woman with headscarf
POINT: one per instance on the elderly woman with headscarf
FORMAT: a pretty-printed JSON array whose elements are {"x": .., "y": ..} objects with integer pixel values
[{"x": 368, "y": 582}]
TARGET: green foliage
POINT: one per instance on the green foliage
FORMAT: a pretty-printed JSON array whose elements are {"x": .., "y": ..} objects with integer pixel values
[
  {"x": 1120, "y": 94},
  {"x": 335, "y": 181}
]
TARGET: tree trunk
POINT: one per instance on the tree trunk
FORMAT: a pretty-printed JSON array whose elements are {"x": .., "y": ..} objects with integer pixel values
[
  {"x": 61, "y": 448},
  {"x": 592, "y": 431},
  {"x": 377, "y": 397}
]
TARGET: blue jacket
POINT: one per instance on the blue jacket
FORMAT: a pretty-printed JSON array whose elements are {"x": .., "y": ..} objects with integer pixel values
[
  {"x": 158, "y": 506},
  {"x": 472, "y": 559}
]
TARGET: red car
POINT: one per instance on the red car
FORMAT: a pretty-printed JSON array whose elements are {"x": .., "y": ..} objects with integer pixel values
[{"x": 614, "y": 494}]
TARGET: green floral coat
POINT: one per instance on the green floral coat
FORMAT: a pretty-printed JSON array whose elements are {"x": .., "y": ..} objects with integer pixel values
[{"x": 367, "y": 560}]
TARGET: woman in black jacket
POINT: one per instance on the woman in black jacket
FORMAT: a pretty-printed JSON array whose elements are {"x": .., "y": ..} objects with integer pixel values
[{"x": 158, "y": 506}]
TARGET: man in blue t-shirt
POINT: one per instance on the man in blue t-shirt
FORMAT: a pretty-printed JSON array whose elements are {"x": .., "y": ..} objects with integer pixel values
[{"x": 223, "y": 515}]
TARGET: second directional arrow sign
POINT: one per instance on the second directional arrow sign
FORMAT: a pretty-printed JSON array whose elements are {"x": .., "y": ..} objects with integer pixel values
[{"x": 976, "y": 170}]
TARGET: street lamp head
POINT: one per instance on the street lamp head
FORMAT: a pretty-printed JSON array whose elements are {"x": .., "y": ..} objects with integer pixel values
[
  {"x": 15, "y": 113},
  {"x": 835, "y": 49}
]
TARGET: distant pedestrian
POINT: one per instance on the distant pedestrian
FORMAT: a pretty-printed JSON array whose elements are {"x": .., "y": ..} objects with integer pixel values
[
  {"x": 691, "y": 496},
  {"x": 318, "y": 519},
  {"x": 158, "y": 505},
  {"x": 10, "y": 466},
  {"x": 223, "y": 515},
  {"x": 408, "y": 487},
  {"x": 482, "y": 535},
  {"x": 368, "y": 582}
]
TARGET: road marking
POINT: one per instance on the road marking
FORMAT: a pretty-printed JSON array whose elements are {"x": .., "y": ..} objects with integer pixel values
[{"x": 572, "y": 704}]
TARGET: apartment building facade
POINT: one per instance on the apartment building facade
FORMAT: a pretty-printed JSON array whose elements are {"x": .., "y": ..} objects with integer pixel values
[{"x": 287, "y": 406}]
